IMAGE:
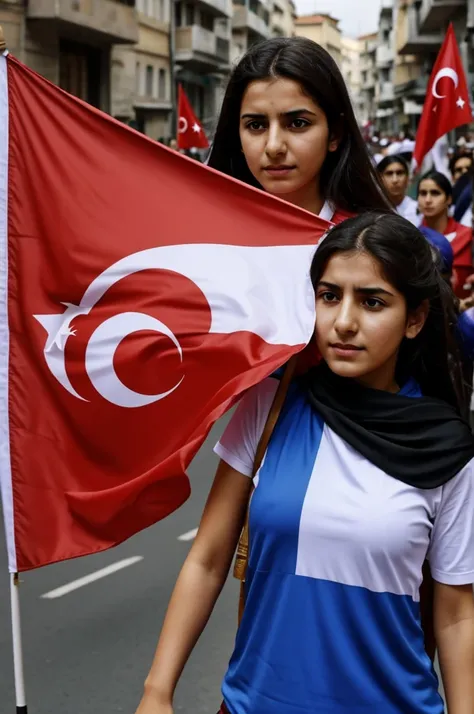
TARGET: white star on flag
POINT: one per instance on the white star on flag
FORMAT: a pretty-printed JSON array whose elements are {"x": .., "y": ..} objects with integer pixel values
[
  {"x": 460, "y": 103},
  {"x": 196, "y": 128}
]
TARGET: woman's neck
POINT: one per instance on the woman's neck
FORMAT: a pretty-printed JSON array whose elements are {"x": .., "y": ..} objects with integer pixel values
[
  {"x": 437, "y": 223},
  {"x": 308, "y": 197}
]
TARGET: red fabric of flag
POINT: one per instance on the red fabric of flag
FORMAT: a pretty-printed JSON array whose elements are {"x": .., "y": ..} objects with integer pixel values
[
  {"x": 448, "y": 102},
  {"x": 191, "y": 134},
  {"x": 140, "y": 292}
]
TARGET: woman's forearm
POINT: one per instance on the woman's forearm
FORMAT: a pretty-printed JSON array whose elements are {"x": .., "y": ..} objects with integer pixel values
[
  {"x": 191, "y": 605},
  {"x": 456, "y": 659}
]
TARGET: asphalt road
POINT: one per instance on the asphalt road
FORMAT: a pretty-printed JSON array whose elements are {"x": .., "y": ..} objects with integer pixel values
[{"x": 89, "y": 651}]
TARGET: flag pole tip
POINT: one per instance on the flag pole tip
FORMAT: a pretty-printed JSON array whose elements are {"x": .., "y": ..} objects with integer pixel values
[{"x": 3, "y": 44}]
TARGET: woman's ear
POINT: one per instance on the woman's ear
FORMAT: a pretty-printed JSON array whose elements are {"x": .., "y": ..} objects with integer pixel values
[
  {"x": 334, "y": 143},
  {"x": 416, "y": 320}
]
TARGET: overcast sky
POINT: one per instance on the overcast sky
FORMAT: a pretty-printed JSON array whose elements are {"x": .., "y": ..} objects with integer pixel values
[{"x": 357, "y": 17}]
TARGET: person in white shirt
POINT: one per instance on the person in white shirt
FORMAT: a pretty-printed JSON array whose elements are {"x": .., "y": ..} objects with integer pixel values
[{"x": 394, "y": 172}]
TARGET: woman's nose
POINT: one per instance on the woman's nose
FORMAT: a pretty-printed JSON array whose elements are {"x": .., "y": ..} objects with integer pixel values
[
  {"x": 346, "y": 320},
  {"x": 275, "y": 142}
]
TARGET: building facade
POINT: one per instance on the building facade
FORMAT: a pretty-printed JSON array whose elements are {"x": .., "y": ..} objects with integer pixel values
[
  {"x": 70, "y": 42},
  {"x": 282, "y": 18},
  {"x": 351, "y": 50},
  {"x": 385, "y": 119},
  {"x": 251, "y": 23},
  {"x": 141, "y": 73},
  {"x": 323, "y": 29},
  {"x": 368, "y": 72}
]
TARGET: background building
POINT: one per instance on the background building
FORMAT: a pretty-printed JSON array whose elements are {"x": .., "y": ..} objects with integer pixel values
[
  {"x": 70, "y": 41},
  {"x": 282, "y": 19},
  {"x": 323, "y": 29},
  {"x": 351, "y": 50},
  {"x": 385, "y": 67},
  {"x": 250, "y": 24},
  {"x": 141, "y": 74},
  {"x": 368, "y": 72}
]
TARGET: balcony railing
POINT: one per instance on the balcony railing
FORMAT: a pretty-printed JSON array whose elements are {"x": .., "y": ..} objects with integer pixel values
[
  {"x": 201, "y": 46},
  {"x": 384, "y": 56},
  {"x": 415, "y": 42},
  {"x": 219, "y": 8},
  {"x": 106, "y": 20},
  {"x": 244, "y": 18},
  {"x": 386, "y": 92},
  {"x": 437, "y": 13}
]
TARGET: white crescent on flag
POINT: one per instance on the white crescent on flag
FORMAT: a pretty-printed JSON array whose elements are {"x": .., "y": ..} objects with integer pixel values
[
  {"x": 247, "y": 288},
  {"x": 444, "y": 72}
]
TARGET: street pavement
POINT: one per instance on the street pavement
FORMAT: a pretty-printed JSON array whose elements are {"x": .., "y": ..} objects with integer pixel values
[{"x": 88, "y": 651}]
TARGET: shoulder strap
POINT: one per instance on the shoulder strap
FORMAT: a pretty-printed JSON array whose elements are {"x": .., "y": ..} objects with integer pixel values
[{"x": 241, "y": 558}]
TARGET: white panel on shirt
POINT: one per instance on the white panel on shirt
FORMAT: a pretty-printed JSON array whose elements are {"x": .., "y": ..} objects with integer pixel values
[{"x": 358, "y": 525}]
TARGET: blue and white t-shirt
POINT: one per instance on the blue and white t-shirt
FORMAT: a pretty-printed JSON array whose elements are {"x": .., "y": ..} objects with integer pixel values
[{"x": 332, "y": 621}]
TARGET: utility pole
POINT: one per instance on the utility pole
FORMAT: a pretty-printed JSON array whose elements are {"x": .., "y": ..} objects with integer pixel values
[{"x": 172, "y": 46}]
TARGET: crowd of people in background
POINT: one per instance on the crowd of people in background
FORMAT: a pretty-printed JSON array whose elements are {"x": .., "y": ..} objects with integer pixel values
[{"x": 438, "y": 200}]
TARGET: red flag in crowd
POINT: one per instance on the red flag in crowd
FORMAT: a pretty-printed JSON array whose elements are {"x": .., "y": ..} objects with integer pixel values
[
  {"x": 127, "y": 325},
  {"x": 448, "y": 102},
  {"x": 190, "y": 132}
]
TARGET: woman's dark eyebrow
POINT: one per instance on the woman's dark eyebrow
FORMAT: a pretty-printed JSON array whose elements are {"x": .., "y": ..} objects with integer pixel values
[
  {"x": 292, "y": 113},
  {"x": 362, "y": 291}
]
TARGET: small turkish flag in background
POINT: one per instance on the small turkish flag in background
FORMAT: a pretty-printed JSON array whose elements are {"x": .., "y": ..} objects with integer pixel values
[
  {"x": 448, "y": 102},
  {"x": 190, "y": 132}
]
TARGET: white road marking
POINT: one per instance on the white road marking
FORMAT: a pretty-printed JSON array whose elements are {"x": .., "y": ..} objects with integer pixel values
[
  {"x": 87, "y": 579},
  {"x": 190, "y": 535}
]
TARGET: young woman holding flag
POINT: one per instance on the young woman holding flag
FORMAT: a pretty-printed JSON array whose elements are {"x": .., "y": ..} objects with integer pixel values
[{"x": 369, "y": 471}]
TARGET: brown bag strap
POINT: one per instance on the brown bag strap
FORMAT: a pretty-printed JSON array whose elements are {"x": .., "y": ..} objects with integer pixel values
[{"x": 241, "y": 558}]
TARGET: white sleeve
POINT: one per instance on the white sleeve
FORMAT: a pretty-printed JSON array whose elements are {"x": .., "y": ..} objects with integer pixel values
[
  {"x": 238, "y": 444},
  {"x": 451, "y": 552}
]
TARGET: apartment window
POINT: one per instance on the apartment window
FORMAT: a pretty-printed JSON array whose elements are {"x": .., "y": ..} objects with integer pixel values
[
  {"x": 149, "y": 80},
  {"x": 159, "y": 10},
  {"x": 162, "y": 83},
  {"x": 188, "y": 14},
  {"x": 207, "y": 21},
  {"x": 254, "y": 6},
  {"x": 178, "y": 14},
  {"x": 138, "y": 69}
]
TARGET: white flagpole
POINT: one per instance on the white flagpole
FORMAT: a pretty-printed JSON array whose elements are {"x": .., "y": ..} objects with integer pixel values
[{"x": 20, "y": 695}]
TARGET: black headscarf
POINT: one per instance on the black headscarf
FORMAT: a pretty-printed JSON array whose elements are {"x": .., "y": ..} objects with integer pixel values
[{"x": 421, "y": 441}]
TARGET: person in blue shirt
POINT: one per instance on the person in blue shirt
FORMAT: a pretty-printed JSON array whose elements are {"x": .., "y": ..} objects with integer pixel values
[{"x": 369, "y": 472}]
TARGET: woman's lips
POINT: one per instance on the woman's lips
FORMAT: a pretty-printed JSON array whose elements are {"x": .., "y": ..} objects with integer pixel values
[
  {"x": 279, "y": 170},
  {"x": 346, "y": 350}
]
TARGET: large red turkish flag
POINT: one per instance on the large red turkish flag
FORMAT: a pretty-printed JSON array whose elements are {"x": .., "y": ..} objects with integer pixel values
[
  {"x": 140, "y": 292},
  {"x": 448, "y": 100}
]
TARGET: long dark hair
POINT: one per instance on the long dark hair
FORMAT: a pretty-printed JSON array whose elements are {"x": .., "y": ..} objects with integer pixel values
[
  {"x": 348, "y": 177},
  {"x": 405, "y": 257}
]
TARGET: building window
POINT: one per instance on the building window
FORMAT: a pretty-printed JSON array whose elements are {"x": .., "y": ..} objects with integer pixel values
[
  {"x": 207, "y": 21},
  {"x": 149, "y": 80},
  {"x": 159, "y": 10},
  {"x": 138, "y": 88},
  {"x": 188, "y": 14},
  {"x": 179, "y": 14},
  {"x": 162, "y": 83}
]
